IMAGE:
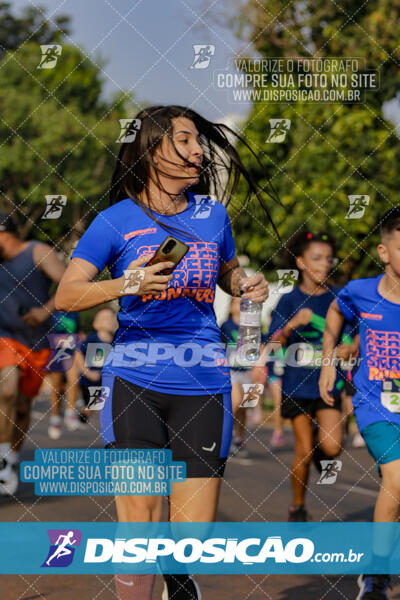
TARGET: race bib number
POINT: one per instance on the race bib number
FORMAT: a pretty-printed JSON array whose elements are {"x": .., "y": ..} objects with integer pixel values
[{"x": 390, "y": 395}]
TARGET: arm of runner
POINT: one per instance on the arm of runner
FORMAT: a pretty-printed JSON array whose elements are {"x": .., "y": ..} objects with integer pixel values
[
  {"x": 233, "y": 280},
  {"x": 345, "y": 351},
  {"x": 48, "y": 262},
  {"x": 77, "y": 290},
  {"x": 90, "y": 374},
  {"x": 301, "y": 318},
  {"x": 333, "y": 326}
]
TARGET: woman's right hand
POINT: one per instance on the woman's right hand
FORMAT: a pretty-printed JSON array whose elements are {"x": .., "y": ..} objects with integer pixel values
[{"x": 138, "y": 280}]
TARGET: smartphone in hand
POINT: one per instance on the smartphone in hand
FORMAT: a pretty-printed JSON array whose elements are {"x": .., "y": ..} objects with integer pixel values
[{"x": 172, "y": 250}]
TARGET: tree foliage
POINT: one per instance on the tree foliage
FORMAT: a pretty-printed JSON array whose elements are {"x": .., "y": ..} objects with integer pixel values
[
  {"x": 58, "y": 134},
  {"x": 331, "y": 150},
  {"x": 30, "y": 26}
]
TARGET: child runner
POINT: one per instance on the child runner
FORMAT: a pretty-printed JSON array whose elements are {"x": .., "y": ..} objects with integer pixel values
[
  {"x": 374, "y": 305},
  {"x": 275, "y": 372},
  {"x": 62, "y": 374},
  {"x": 104, "y": 325},
  {"x": 298, "y": 323}
]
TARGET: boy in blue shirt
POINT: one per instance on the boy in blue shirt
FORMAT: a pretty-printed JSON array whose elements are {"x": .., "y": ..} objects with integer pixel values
[{"x": 374, "y": 305}]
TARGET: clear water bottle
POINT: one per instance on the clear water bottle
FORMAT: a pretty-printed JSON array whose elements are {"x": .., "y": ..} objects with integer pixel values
[{"x": 249, "y": 335}]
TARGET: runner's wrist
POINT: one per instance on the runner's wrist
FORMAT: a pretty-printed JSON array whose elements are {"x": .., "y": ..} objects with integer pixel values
[
  {"x": 328, "y": 354},
  {"x": 289, "y": 328},
  {"x": 118, "y": 287}
]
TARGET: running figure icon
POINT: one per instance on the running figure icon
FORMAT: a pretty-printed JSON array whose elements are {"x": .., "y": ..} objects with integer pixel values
[
  {"x": 64, "y": 348},
  {"x": 62, "y": 549}
]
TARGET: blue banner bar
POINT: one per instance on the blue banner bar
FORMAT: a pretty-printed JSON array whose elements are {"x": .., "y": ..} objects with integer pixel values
[{"x": 208, "y": 548}]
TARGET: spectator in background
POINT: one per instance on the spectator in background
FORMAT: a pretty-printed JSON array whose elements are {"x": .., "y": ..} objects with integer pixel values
[
  {"x": 275, "y": 372},
  {"x": 240, "y": 378},
  {"x": 63, "y": 375},
  {"x": 89, "y": 367}
]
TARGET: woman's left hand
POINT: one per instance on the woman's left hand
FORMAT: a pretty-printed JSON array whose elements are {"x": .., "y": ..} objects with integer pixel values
[{"x": 255, "y": 287}]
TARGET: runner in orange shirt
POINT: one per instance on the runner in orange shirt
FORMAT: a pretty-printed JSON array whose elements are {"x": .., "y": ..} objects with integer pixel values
[{"x": 27, "y": 270}]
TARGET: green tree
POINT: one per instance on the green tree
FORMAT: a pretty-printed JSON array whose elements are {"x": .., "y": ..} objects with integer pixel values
[
  {"x": 58, "y": 133},
  {"x": 30, "y": 26},
  {"x": 59, "y": 138},
  {"x": 330, "y": 151}
]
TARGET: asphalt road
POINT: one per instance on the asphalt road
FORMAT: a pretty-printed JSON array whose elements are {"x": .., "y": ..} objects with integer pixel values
[{"x": 257, "y": 489}]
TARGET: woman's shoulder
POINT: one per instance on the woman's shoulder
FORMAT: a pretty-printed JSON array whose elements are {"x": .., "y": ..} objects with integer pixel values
[
  {"x": 114, "y": 213},
  {"x": 119, "y": 207}
]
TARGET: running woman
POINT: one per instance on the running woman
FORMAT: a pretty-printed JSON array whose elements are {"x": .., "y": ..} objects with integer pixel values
[
  {"x": 27, "y": 271},
  {"x": 182, "y": 401},
  {"x": 298, "y": 323},
  {"x": 373, "y": 305}
]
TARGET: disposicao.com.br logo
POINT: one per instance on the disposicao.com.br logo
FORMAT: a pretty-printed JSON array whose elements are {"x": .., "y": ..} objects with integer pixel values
[
  {"x": 204, "y": 548},
  {"x": 247, "y": 551}
]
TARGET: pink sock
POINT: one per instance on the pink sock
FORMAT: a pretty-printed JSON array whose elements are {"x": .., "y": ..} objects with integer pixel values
[{"x": 134, "y": 587}]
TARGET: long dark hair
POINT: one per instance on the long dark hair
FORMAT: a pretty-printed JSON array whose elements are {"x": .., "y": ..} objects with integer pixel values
[{"x": 221, "y": 170}]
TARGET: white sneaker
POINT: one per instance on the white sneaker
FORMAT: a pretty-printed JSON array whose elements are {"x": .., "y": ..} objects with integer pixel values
[
  {"x": 71, "y": 421},
  {"x": 54, "y": 429},
  {"x": 8, "y": 478}
]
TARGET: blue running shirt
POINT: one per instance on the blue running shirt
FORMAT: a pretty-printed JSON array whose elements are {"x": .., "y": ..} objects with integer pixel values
[
  {"x": 170, "y": 342},
  {"x": 304, "y": 346},
  {"x": 378, "y": 377}
]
